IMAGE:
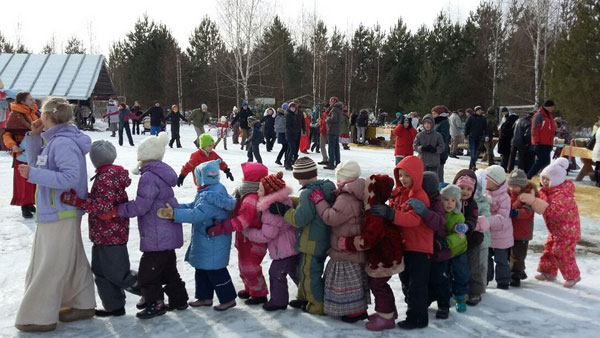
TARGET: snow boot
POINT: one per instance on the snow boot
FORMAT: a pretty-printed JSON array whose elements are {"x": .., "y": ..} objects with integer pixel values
[
  {"x": 442, "y": 313},
  {"x": 571, "y": 282},
  {"x": 141, "y": 304},
  {"x": 73, "y": 314},
  {"x": 157, "y": 308},
  {"x": 26, "y": 212},
  {"x": 178, "y": 307},
  {"x": 461, "y": 306},
  {"x": 199, "y": 303},
  {"x": 502, "y": 286},
  {"x": 256, "y": 301},
  {"x": 298, "y": 304},
  {"x": 545, "y": 277},
  {"x": 515, "y": 283},
  {"x": 378, "y": 323},
  {"x": 355, "y": 318},
  {"x": 243, "y": 294},
  {"x": 409, "y": 325},
  {"x": 473, "y": 300},
  {"x": 270, "y": 307},
  {"x": 35, "y": 328},
  {"x": 278, "y": 162},
  {"x": 113, "y": 313},
  {"x": 225, "y": 306}
]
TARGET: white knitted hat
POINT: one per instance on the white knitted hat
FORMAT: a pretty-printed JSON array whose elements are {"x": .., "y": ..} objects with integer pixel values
[
  {"x": 153, "y": 148},
  {"x": 347, "y": 170}
]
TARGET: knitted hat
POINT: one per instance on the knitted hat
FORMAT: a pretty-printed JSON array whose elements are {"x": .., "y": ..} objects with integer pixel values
[
  {"x": 292, "y": 104},
  {"x": 466, "y": 181},
  {"x": 398, "y": 114},
  {"x": 439, "y": 109},
  {"x": 152, "y": 148},
  {"x": 518, "y": 177},
  {"x": 431, "y": 182},
  {"x": 284, "y": 106},
  {"x": 252, "y": 121},
  {"x": 254, "y": 171},
  {"x": 429, "y": 118},
  {"x": 504, "y": 110},
  {"x": 549, "y": 103},
  {"x": 452, "y": 190},
  {"x": 273, "y": 183},
  {"x": 244, "y": 104},
  {"x": 206, "y": 140},
  {"x": 102, "y": 153},
  {"x": 563, "y": 162},
  {"x": 304, "y": 168},
  {"x": 556, "y": 173},
  {"x": 477, "y": 108},
  {"x": 496, "y": 174},
  {"x": 347, "y": 170}
]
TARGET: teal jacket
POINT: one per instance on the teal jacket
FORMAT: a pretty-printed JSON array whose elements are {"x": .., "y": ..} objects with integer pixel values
[
  {"x": 456, "y": 243},
  {"x": 314, "y": 233}
]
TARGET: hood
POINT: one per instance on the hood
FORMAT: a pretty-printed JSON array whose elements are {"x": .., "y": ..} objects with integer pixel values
[
  {"x": 471, "y": 174},
  {"x": 414, "y": 167},
  {"x": 356, "y": 188},
  {"x": 207, "y": 173},
  {"x": 254, "y": 171},
  {"x": 162, "y": 170},
  {"x": 453, "y": 191},
  {"x": 83, "y": 142},
  {"x": 378, "y": 189},
  {"x": 502, "y": 190},
  {"x": 278, "y": 196},
  {"x": 480, "y": 183}
]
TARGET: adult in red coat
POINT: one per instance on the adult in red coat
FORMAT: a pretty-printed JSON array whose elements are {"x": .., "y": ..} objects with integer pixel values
[
  {"x": 543, "y": 129},
  {"x": 405, "y": 136}
]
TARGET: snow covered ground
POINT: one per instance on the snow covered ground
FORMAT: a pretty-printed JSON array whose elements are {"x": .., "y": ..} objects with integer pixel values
[{"x": 535, "y": 309}]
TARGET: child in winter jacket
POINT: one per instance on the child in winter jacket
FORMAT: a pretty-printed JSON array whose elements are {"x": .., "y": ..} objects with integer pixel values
[
  {"x": 429, "y": 144},
  {"x": 478, "y": 255},
  {"x": 417, "y": 238},
  {"x": 346, "y": 288},
  {"x": 458, "y": 266},
  {"x": 175, "y": 117},
  {"x": 405, "y": 136},
  {"x": 382, "y": 244},
  {"x": 158, "y": 237},
  {"x": 501, "y": 229},
  {"x": 522, "y": 220},
  {"x": 222, "y": 128},
  {"x": 208, "y": 255},
  {"x": 280, "y": 237},
  {"x": 256, "y": 139},
  {"x": 59, "y": 274},
  {"x": 204, "y": 154},
  {"x": 110, "y": 259},
  {"x": 557, "y": 205},
  {"x": 314, "y": 240},
  {"x": 268, "y": 121}
]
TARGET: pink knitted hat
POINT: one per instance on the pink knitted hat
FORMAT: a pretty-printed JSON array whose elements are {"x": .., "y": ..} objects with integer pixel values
[
  {"x": 467, "y": 181},
  {"x": 556, "y": 172}
]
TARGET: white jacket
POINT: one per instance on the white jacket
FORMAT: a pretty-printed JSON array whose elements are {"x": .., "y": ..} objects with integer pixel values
[{"x": 596, "y": 151}]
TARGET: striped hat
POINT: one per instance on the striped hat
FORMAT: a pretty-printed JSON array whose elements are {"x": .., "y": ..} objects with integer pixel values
[
  {"x": 496, "y": 174},
  {"x": 304, "y": 168},
  {"x": 272, "y": 183}
]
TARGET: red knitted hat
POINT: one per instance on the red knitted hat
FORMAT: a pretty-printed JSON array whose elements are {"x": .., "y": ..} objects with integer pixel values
[{"x": 273, "y": 183}]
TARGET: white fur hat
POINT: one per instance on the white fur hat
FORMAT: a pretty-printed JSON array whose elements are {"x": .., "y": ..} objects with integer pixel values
[{"x": 153, "y": 148}]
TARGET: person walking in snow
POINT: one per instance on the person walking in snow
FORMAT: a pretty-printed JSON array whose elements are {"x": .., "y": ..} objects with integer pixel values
[{"x": 175, "y": 117}]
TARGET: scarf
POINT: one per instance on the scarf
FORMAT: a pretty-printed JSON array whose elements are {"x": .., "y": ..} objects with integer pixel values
[{"x": 246, "y": 188}]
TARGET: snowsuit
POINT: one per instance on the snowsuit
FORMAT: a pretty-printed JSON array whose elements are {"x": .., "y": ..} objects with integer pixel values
[
  {"x": 222, "y": 134},
  {"x": 313, "y": 244},
  {"x": 417, "y": 239},
  {"x": 209, "y": 255},
  {"x": 430, "y": 156},
  {"x": 175, "y": 118},
  {"x": 346, "y": 287},
  {"x": 523, "y": 233},
  {"x": 501, "y": 230},
  {"x": 562, "y": 220},
  {"x": 59, "y": 273},
  {"x": 158, "y": 237},
  {"x": 281, "y": 240}
]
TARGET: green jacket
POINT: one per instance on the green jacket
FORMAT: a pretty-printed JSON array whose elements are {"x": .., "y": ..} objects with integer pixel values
[
  {"x": 456, "y": 244},
  {"x": 199, "y": 118},
  {"x": 314, "y": 233},
  {"x": 344, "y": 124}
]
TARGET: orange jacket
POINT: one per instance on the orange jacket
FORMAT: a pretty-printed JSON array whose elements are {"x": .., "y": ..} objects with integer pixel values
[
  {"x": 15, "y": 129},
  {"x": 416, "y": 235}
]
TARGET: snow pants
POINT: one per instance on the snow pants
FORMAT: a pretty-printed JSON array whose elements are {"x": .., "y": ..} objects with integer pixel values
[
  {"x": 501, "y": 270},
  {"x": 518, "y": 253},
  {"x": 278, "y": 272},
  {"x": 478, "y": 261},
  {"x": 209, "y": 282},
  {"x": 159, "y": 268},
  {"x": 559, "y": 255},
  {"x": 311, "y": 286},
  {"x": 110, "y": 265},
  {"x": 384, "y": 296},
  {"x": 415, "y": 284},
  {"x": 250, "y": 255}
]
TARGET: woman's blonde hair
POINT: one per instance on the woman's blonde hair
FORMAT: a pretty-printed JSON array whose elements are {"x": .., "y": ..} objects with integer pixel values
[{"x": 58, "y": 109}]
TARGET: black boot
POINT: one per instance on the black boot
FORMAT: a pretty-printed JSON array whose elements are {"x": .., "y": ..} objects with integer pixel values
[
  {"x": 410, "y": 325},
  {"x": 155, "y": 309},
  {"x": 515, "y": 282},
  {"x": 270, "y": 307},
  {"x": 243, "y": 294},
  {"x": 114, "y": 313},
  {"x": 26, "y": 212},
  {"x": 442, "y": 313},
  {"x": 297, "y": 304},
  {"x": 256, "y": 300}
]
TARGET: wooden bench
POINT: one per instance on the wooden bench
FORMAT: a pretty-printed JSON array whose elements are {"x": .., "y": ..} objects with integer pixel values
[{"x": 585, "y": 155}]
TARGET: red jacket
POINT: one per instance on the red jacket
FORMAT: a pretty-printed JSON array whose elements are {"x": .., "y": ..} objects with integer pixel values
[
  {"x": 323, "y": 123},
  {"x": 198, "y": 157},
  {"x": 416, "y": 235},
  {"x": 222, "y": 129},
  {"x": 404, "y": 140},
  {"x": 523, "y": 223},
  {"x": 108, "y": 191},
  {"x": 543, "y": 128},
  {"x": 562, "y": 214}
]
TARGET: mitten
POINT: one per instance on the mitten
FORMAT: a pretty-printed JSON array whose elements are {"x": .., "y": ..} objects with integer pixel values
[
  {"x": 514, "y": 213},
  {"x": 180, "y": 180},
  {"x": 165, "y": 213},
  {"x": 419, "y": 207},
  {"x": 228, "y": 174},
  {"x": 461, "y": 229},
  {"x": 278, "y": 208},
  {"x": 316, "y": 196},
  {"x": 383, "y": 211},
  {"x": 71, "y": 198}
]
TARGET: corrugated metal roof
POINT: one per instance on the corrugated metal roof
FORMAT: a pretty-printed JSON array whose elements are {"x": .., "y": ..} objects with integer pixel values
[{"x": 72, "y": 76}]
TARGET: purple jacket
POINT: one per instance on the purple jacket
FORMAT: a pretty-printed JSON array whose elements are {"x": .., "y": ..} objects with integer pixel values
[
  {"x": 155, "y": 190},
  {"x": 57, "y": 160}
]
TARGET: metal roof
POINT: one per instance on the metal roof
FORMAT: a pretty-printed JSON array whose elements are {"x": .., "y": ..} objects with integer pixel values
[{"x": 72, "y": 76}]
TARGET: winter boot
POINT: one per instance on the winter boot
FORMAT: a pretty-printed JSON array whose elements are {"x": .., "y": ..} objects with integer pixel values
[
  {"x": 461, "y": 306},
  {"x": 178, "y": 307},
  {"x": 571, "y": 282},
  {"x": 473, "y": 300},
  {"x": 545, "y": 277},
  {"x": 157, "y": 308},
  {"x": 515, "y": 282},
  {"x": 410, "y": 325},
  {"x": 26, "y": 212},
  {"x": 73, "y": 314},
  {"x": 243, "y": 294},
  {"x": 256, "y": 301},
  {"x": 378, "y": 323},
  {"x": 36, "y": 328},
  {"x": 298, "y": 304},
  {"x": 113, "y": 313},
  {"x": 442, "y": 313},
  {"x": 225, "y": 306},
  {"x": 199, "y": 303},
  {"x": 270, "y": 307},
  {"x": 141, "y": 304},
  {"x": 356, "y": 317},
  {"x": 502, "y": 286}
]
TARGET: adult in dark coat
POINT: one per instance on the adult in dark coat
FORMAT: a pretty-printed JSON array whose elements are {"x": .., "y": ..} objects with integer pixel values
[
  {"x": 476, "y": 129},
  {"x": 442, "y": 126},
  {"x": 506, "y": 136},
  {"x": 157, "y": 115},
  {"x": 294, "y": 127},
  {"x": 521, "y": 144}
]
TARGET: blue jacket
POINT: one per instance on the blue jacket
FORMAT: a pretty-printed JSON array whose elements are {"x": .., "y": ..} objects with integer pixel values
[
  {"x": 211, "y": 203},
  {"x": 257, "y": 135}
]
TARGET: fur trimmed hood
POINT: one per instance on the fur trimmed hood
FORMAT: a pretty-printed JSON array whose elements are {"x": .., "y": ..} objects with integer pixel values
[{"x": 278, "y": 196}]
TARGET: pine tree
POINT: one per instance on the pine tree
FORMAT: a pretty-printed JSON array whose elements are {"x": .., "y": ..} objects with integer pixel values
[{"x": 74, "y": 46}]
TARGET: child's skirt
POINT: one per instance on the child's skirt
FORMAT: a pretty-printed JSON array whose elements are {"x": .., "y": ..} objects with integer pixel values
[
  {"x": 345, "y": 138},
  {"x": 346, "y": 288}
]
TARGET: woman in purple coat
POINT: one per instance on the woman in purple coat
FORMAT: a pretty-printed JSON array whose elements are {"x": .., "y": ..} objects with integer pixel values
[{"x": 158, "y": 237}]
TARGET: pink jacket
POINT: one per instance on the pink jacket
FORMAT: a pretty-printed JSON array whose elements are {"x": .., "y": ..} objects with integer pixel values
[
  {"x": 344, "y": 218},
  {"x": 501, "y": 228},
  {"x": 562, "y": 214},
  {"x": 280, "y": 235}
]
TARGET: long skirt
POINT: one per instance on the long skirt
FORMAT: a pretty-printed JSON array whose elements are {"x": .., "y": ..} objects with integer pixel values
[
  {"x": 23, "y": 191},
  {"x": 59, "y": 274},
  {"x": 346, "y": 288},
  {"x": 303, "y": 143}
]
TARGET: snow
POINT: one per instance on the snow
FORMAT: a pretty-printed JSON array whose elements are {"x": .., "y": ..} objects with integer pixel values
[{"x": 535, "y": 309}]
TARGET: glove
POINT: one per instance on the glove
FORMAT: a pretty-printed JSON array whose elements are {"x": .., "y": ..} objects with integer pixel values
[
  {"x": 527, "y": 198},
  {"x": 428, "y": 148},
  {"x": 418, "y": 206},
  {"x": 220, "y": 228},
  {"x": 180, "y": 180},
  {"x": 316, "y": 196},
  {"x": 278, "y": 208},
  {"x": 383, "y": 211},
  {"x": 514, "y": 213},
  {"x": 461, "y": 229},
  {"x": 342, "y": 244},
  {"x": 228, "y": 174},
  {"x": 165, "y": 213},
  {"x": 109, "y": 215},
  {"x": 71, "y": 198}
]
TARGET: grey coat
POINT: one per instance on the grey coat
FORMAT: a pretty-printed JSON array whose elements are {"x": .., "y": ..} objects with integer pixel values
[
  {"x": 279, "y": 123},
  {"x": 333, "y": 119},
  {"x": 429, "y": 138},
  {"x": 457, "y": 126}
]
